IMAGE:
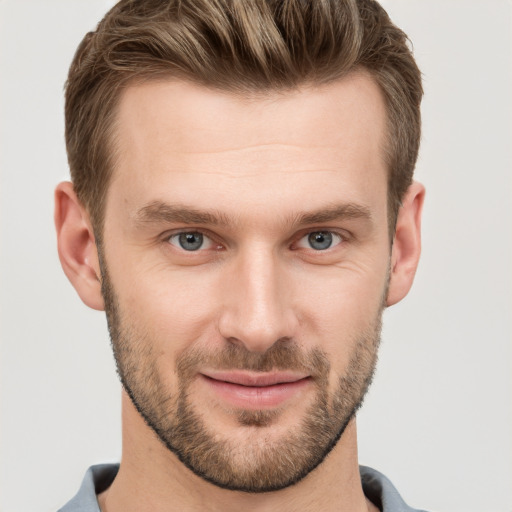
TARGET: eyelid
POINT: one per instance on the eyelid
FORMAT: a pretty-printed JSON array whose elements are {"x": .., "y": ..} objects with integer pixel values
[
  {"x": 341, "y": 235},
  {"x": 208, "y": 239}
]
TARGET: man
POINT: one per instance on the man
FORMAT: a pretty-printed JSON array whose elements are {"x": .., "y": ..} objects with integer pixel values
[{"x": 243, "y": 209}]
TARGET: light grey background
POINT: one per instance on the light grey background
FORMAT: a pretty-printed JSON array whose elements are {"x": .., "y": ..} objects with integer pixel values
[{"x": 438, "y": 418}]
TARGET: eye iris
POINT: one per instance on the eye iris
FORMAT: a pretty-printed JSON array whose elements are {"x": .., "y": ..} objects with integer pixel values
[
  {"x": 191, "y": 241},
  {"x": 320, "y": 240}
]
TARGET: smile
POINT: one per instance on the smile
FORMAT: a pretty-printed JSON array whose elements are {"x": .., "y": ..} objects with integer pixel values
[{"x": 250, "y": 390}]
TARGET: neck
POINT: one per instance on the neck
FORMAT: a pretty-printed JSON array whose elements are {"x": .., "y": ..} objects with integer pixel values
[{"x": 151, "y": 478}]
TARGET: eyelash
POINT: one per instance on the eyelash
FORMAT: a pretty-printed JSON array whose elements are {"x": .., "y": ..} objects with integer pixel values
[
  {"x": 333, "y": 235},
  {"x": 203, "y": 234},
  {"x": 337, "y": 239}
]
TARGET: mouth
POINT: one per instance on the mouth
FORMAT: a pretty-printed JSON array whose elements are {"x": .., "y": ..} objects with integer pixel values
[{"x": 255, "y": 390}]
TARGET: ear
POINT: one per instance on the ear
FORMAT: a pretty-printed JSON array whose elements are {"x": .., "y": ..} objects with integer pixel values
[
  {"x": 406, "y": 245},
  {"x": 77, "y": 246}
]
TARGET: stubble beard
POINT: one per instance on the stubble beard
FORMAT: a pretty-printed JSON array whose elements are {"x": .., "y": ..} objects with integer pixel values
[{"x": 263, "y": 462}]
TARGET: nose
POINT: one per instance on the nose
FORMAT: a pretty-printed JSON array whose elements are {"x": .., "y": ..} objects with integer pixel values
[{"x": 258, "y": 308}]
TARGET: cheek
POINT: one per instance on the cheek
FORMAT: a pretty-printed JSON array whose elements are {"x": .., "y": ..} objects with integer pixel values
[
  {"x": 168, "y": 313},
  {"x": 343, "y": 307},
  {"x": 173, "y": 309}
]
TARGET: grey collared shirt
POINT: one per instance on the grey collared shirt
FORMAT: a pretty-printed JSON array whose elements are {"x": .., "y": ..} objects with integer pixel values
[{"x": 377, "y": 488}]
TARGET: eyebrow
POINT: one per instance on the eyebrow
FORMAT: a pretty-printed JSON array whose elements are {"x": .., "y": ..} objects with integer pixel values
[
  {"x": 334, "y": 212},
  {"x": 161, "y": 212}
]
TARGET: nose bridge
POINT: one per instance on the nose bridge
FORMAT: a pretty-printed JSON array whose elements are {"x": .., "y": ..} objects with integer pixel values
[{"x": 257, "y": 312}]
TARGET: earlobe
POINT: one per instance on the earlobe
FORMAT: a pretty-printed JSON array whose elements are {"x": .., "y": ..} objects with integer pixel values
[
  {"x": 407, "y": 244},
  {"x": 77, "y": 247}
]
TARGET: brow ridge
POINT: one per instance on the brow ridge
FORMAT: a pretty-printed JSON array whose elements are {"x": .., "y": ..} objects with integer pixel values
[
  {"x": 334, "y": 212},
  {"x": 159, "y": 211}
]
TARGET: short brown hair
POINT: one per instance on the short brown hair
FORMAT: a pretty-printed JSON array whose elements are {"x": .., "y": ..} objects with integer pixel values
[{"x": 238, "y": 46}]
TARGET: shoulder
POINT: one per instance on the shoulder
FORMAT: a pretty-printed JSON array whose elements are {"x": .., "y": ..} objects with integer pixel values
[
  {"x": 381, "y": 492},
  {"x": 96, "y": 480}
]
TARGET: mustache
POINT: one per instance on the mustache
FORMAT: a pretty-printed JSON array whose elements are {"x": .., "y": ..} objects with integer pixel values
[{"x": 284, "y": 354}]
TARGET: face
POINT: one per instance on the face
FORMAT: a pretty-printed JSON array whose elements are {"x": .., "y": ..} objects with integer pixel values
[{"x": 244, "y": 268}]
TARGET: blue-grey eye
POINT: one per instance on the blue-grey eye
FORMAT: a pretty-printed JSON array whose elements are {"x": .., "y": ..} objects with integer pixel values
[
  {"x": 191, "y": 241},
  {"x": 188, "y": 240},
  {"x": 320, "y": 240}
]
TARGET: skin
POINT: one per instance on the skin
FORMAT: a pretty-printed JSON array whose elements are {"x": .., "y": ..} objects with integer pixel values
[{"x": 260, "y": 163}]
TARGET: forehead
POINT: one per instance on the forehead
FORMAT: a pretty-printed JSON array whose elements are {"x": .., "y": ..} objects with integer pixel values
[
  {"x": 210, "y": 119},
  {"x": 183, "y": 142}
]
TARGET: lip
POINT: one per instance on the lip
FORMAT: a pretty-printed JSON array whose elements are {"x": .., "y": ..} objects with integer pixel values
[{"x": 255, "y": 390}]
